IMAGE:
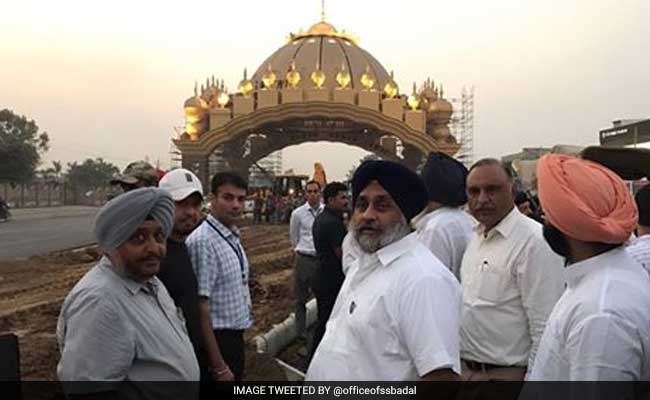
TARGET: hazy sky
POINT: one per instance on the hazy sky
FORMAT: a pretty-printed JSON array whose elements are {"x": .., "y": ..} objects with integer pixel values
[{"x": 109, "y": 78}]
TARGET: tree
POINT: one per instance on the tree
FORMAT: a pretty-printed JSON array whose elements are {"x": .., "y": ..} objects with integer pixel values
[
  {"x": 21, "y": 147},
  {"x": 91, "y": 173},
  {"x": 51, "y": 175}
]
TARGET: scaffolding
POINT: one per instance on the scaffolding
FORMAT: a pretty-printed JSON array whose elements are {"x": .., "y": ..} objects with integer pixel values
[{"x": 462, "y": 125}]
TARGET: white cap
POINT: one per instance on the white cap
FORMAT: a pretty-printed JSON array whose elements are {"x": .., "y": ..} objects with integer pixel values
[{"x": 181, "y": 183}]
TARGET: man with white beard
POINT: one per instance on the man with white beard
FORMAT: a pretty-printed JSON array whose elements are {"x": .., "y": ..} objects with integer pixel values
[{"x": 397, "y": 315}]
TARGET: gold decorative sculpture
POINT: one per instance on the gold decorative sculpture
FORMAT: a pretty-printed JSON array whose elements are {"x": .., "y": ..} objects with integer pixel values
[
  {"x": 343, "y": 78},
  {"x": 269, "y": 78},
  {"x": 293, "y": 76},
  {"x": 367, "y": 79},
  {"x": 391, "y": 89},
  {"x": 413, "y": 100},
  {"x": 318, "y": 77}
]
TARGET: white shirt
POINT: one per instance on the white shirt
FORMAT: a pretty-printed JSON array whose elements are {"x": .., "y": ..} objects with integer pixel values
[
  {"x": 446, "y": 232},
  {"x": 639, "y": 249},
  {"x": 351, "y": 251},
  {"x": 300, "y": 224},
  {"x": 395, "y": 319},
  {"x": 511, "y": 280},
  {"x": 600, "y": 328}
]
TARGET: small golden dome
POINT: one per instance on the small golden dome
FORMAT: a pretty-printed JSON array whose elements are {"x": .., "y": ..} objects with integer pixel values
[
  {"x": 367, "y": 79},
  {"x": 245, "y": 86},
  {"x": 293, "y": 76},
  {"x": 413, "y": 100},
  {"x": 195, "y": 102}
]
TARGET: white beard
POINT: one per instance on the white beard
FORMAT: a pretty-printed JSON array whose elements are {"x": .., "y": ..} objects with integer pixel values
[{"x": 391, "y": 235}]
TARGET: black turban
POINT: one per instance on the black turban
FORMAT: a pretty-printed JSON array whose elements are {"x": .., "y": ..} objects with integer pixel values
[
  {"x": 404, "y": 185},
  {"x": 123, "y": 215},
  {"x": 643, "y": 204},
  {"x": 444, "y": 178}
]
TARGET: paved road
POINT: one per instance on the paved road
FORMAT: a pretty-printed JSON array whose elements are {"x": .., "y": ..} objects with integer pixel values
[{"x": 38, "y": 231}]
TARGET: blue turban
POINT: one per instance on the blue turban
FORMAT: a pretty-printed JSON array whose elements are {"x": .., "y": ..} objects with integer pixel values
[
  {"x": 121, "y": 217},
  {"x": 403, "y": 185},
  {"x": 444, "y": 178}
]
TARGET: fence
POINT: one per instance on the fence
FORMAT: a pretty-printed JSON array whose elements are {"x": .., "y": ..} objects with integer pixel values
[{"x": 45, "y": 194}]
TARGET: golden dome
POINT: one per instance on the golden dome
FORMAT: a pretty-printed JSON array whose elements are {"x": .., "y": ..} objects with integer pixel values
[
  {"x": 245, "y": 86},
  {"x": 293, "y": 76},
  {"x": 323, "y": 45},
  {"x": 195, "y": 102},
  {"x": 367, "y": 79}
]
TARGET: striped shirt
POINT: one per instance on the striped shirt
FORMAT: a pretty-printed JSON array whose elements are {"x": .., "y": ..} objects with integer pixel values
[{"x": 222, "y": 273}]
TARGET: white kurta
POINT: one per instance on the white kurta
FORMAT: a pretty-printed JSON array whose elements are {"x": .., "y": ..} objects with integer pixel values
[
  {"x": 511, "y": 280},
  {"x": 446, "y": 232},
  {"x": 639, "y": 250},
  {"x": 600, "y": 327},
  {"x": 395, "y": 319}
]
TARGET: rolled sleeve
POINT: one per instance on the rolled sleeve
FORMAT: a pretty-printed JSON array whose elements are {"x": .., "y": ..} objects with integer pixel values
[
  {"x": 205, "y": 265},
  {"x": 429, "y": 314},
  {"x": 97, "y": 345}
]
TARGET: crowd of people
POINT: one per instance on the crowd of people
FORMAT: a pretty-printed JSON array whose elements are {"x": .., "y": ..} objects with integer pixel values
[{"x": 448, "y": 274}]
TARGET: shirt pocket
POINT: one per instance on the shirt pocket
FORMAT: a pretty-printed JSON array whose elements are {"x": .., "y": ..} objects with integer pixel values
[{"x": 492, "y": 284}]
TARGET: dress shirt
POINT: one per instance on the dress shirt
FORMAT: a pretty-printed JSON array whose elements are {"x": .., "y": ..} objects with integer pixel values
[
  {"x": 511, "y": 280},
  {"x": 300, "y": 228},
  {"x": 395, "y": 319},
  {"x": 222, "y": 273},
  {"x": 446, "y": 232},
  {"x": 639, "y": 249},
  {"x": 113, "y": 329},
  {"x": 599, "y": 329}
]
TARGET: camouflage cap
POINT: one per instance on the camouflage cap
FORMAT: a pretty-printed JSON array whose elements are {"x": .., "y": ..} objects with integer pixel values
[{"x": 137, "y": 171}]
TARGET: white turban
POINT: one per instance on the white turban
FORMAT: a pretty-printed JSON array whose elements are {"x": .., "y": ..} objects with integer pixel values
[{"x": 121, "y": 217}]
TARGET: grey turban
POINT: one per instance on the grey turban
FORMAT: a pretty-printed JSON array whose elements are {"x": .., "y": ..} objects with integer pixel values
[{"x": 121, "y": 217}]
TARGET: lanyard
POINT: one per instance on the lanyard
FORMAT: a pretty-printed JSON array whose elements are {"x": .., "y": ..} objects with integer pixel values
[{"x": 237, "y": 251}]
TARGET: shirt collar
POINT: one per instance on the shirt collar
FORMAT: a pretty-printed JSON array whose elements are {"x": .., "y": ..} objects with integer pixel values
[
  {"x": 132, "y": 286},
  {"x": 504, "y": 227},
  {"x": 227, "y": 232},
  {"x": 393, "y": 251},
  {"x": 574, "y": 273}
]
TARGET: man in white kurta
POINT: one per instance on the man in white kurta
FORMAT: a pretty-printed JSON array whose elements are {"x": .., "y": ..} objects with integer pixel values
[
  {"x": 396, "y": 316},
  {"x": 599, "y": 329},
  {"x": 443, "y": 227}
]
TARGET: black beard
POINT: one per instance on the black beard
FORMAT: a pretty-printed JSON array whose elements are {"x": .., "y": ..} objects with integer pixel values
[{"x": 556, "y": 241}]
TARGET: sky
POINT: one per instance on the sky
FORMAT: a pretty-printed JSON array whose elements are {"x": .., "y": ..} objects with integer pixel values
[{"x": 108, "y": 79}]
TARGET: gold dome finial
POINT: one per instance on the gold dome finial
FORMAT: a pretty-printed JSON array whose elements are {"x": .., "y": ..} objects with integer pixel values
[
  {"x": 246, "y": 86},
  {"x": 367, "y": 79},
  {"x": 391, "y": 89},
  {"x": 442, "y": 92},
  {"x": 322, "y": 10},
  {"x": 196, "y": 88},
  {"x": 343, "y": 78},
  {"x": 318, "y": 77},
  {"x": 269, "y": 78},
  {"x": 293, "y": 76},
  {"x": 413, "y": 100}
]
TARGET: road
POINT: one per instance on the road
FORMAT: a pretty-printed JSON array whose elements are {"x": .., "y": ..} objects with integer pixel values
[{"x": 38, "y": 231}]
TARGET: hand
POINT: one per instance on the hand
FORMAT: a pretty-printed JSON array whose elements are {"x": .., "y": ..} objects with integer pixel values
[{"x": 222, "y": 375}]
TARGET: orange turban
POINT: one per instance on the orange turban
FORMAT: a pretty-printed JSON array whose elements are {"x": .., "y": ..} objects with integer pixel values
[{"x": 585, "y": 200}]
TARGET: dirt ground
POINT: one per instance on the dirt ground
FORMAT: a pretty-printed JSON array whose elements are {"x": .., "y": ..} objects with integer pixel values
[{"x": 31, "y": 293}]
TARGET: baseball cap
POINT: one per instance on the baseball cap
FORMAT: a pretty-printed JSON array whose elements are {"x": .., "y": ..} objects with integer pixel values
[
  {"x": 181, "y": 183},
  {"x": 137, "y": 171}
]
